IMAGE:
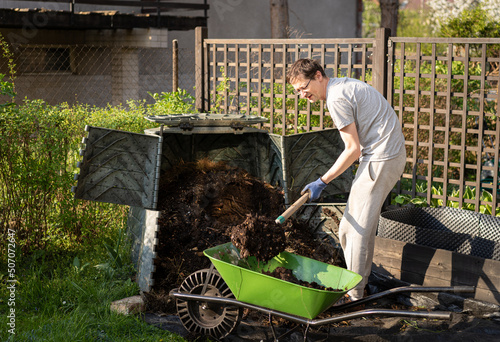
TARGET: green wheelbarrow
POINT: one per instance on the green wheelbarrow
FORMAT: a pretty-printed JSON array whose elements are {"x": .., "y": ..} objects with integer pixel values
[{"x": 210, "y": 301}]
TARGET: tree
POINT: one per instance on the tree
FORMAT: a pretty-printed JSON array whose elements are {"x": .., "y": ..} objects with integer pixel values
[
  {"x": 279, "y": 18},
  {"x": 389, "y": 15},
  {"x": 442, "y": 11},
  {"x": 371, "y": 18},
  {"x": 471, "y": 23}
]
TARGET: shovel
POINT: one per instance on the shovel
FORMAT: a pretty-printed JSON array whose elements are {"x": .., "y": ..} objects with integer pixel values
[{"x": 293, "y": 208}]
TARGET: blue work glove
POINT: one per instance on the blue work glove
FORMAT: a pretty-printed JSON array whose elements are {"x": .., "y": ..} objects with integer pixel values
[{"x": 315, "y": 188}]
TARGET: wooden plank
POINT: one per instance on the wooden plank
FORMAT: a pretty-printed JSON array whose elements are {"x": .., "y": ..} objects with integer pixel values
[
  {"x": 214, "y": 72},
  {"x": 483, "y": 291},
  {"x": 259, "y": 82},
  {"x": 249, "y": 83},
  {"x": 445, "y": 40},
  {"x": 271, "y": 88},
  {"x": 480, "y": 137},
  {"x": 436, "y": 267},
  {"x": 463, "y": 139},
  {"x": 225, "y": 65},
  {"x": 129, "y": 3},
  {"x": 430, "y": 150},
  {"x": 283, "y": 90},
  {"x": 200, "y": 35},
  {"x": 415, "y": 123},
  {"x": 447, "y": 113},
  {"x": 447, "y": 271},
  {"x": 395, "y": 249},
  {"x": 156, "y": 4},
  {"x": 95, "y": 20},
  {"x": 497, "y": 151},
  {"x": 299, "y": 41},
  {"x": 236, "y": 106},
  {"x": 206, "y": 76}
]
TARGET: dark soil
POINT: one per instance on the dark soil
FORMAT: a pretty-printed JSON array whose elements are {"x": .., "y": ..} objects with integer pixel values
[
  {"x": 259, "y": 236},
  {"x": 205, "y": 204}
]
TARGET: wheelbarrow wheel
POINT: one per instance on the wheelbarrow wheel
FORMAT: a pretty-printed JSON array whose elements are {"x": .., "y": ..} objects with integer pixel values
[{"x": 205, "y": 318}]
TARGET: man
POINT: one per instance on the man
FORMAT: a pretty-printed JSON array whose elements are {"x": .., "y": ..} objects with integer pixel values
[{"x": 371, "y": 131}]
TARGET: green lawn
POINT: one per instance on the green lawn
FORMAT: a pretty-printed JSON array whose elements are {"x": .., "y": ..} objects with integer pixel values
[{"x": 65, "y": 297}]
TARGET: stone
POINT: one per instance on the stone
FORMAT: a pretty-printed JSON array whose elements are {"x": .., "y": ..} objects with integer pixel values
[{"x": 128, "y": 306}]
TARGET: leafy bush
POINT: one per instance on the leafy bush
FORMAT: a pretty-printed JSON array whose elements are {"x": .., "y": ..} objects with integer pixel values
[
  {"x": 38, "y": 155},
  {"x": 443, "y": 11},
  {"x": 469, "y": 194},
  {"x": 39, "y": 146},
  {"x": 471, "y": 23},
  {"x": 179, "y": 102}
]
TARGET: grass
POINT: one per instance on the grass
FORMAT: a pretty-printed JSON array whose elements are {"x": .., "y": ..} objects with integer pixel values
[{"x": 64, "y": 297}]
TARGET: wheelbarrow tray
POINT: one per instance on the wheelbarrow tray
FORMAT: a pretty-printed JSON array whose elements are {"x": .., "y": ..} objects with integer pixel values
[{"x": 248, "y": 284}]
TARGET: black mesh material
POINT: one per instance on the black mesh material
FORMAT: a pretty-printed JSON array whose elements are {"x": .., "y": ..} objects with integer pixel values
[{"x": 452, "y": 229}]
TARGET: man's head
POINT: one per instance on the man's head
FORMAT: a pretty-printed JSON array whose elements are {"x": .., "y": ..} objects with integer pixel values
[
  {"x": 308, "y": 79},
  {"x": 307, "y": 68}
]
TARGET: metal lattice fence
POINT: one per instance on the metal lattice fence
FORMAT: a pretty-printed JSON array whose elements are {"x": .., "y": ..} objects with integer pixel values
[{"x": 97, "y": 75}]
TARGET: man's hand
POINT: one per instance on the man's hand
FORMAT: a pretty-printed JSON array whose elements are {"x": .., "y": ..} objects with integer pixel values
[{"x": 315, "y": 188}]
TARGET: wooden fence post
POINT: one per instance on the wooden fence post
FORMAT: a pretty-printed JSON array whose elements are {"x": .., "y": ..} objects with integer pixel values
[
  {"x": 200, "y": 35},
  {"x": 175, "y": 65},
  {"x": 380, "y": 66}
]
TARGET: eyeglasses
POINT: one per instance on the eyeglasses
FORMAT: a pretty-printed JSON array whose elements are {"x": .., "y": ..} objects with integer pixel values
[{"x": 302, "y": 89}]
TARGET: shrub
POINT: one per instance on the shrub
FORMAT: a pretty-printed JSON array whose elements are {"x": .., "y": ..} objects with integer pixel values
[{"x": 39, "y": 146}]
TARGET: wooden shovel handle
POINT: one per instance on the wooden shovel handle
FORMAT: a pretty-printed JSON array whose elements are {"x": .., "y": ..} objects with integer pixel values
[{"x": 293, "y": 208}]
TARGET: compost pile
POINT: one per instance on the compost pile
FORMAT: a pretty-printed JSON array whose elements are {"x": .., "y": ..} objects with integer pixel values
[{"x": 205, "y": 204}]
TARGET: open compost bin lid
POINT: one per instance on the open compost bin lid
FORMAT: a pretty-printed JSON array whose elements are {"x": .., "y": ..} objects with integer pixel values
[
  {"x": 119, "y": 167},
  {"x": 188, "y": 121}
]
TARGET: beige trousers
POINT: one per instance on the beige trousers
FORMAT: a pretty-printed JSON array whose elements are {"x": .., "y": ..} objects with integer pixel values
[{"x": 358, "y": 227}]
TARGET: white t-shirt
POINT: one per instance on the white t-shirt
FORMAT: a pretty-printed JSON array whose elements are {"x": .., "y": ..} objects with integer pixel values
[{"x": 379, "y": 130}]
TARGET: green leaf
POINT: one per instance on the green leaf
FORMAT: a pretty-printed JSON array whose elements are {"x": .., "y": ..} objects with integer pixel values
[
  {"x": 76, "y": 262},
  {"x": 400, "y": 199}
]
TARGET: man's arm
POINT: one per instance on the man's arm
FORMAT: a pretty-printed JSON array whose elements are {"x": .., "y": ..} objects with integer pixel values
[{"x": 351, "y": 153}]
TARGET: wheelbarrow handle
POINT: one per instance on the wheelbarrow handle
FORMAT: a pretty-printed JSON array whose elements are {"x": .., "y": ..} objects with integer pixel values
[{"x": 293, "y": 208}]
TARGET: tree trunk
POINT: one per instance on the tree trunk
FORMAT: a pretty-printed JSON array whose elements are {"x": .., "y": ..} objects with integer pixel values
[
  {"x": 279, "y": 18},
  {"x": 279, "y": 29},
  {"x": 389, "y": 15}
]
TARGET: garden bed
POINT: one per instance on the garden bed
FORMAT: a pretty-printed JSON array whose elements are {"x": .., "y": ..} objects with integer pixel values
[
  {"x": 447, "y": 228},
  {"x": 440, "y": 247}
]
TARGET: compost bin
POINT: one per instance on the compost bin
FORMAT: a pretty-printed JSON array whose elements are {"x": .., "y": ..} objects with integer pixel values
[{"x": 126, "y": 168}]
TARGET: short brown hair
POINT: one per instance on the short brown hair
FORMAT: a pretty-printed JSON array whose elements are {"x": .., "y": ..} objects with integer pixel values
[{"x": 305, "y": 67}]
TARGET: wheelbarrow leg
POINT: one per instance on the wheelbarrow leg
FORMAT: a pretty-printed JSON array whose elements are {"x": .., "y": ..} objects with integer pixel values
[
  {"x": 275, "y": 337},
  {"x": 306, "y": 331},
  {"x": 272, "y": 328}
]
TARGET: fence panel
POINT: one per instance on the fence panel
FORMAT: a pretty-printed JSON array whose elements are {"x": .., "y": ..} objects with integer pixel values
[
  {"x": 249, "y": 76},
  {"x": 445, "y": 92}
]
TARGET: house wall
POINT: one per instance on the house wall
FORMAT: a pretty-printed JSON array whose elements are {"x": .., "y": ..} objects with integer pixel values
[
  {"x": 249, "y": 19},
  {"x": 99, "y": 83}
]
